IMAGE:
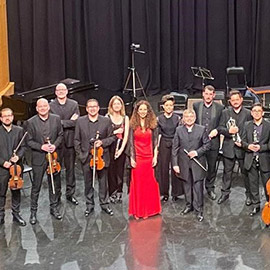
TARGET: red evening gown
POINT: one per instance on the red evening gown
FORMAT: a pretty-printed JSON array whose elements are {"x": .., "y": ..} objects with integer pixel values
[{"x": 144, "y": 197}]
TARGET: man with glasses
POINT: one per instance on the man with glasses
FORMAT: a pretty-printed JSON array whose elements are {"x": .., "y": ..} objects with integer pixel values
[
  {"x": 68, "y": 110},
  {"x": 256, "y": 142},
  {"x": 94, "y": 129},
  {"x": 10, "y": 136}
]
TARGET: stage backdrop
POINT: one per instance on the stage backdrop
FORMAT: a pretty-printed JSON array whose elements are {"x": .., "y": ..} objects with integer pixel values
[{"x": 50, "y": 40}]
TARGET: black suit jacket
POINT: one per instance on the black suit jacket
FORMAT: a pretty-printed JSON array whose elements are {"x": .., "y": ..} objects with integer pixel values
[
  {"x": 215, "y": 119},
  {"x": 230, "y": 150},
  {"x": 35, "y": 138},
  {"x": 82, "y": 138},
  {"x": 264, "y": 142},
  {"x": 68, "y": 125},
  {"x": 16, "y": 136},
  {"x": 196, "y": 140}
]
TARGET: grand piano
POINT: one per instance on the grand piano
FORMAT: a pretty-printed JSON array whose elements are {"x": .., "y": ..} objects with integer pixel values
[{"x": 24, "y": 104}]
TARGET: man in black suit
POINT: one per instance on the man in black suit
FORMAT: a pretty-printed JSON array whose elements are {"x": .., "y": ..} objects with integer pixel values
[
  {"x": 256, "y": 142},
  {"x": 42, "y": 127},
  {"x": 68, "y": 110},
  {"x": 231, "y": 126},
  {"x": 94, "y": 129},
  {"x": 10, "y": 137},
  {"x": 194, "y": 139},
  {"x": 208, "y": 114}
]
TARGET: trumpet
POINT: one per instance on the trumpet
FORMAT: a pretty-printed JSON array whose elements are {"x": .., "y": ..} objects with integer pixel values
[{"x": 232, "y": 123}]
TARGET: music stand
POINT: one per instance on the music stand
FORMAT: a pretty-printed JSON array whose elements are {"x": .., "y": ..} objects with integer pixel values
[{"x": 203, "y": 73}]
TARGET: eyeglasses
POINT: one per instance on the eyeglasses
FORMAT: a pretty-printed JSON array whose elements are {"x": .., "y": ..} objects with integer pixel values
[
  {"x": 5, "y": 116},
  {"x": 61, "y": 89}
]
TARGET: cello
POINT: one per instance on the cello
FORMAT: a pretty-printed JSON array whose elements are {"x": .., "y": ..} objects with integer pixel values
[{"x": 266, "y": 209}]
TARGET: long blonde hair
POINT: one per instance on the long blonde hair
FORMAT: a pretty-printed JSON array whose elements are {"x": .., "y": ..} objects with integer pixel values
[
  {"x": 150, "y": 120},
  {"x": 110, "y": 106}
]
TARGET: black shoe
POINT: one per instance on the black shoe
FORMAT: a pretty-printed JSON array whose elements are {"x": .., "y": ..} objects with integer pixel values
[
  {"x": 108, "y": 211},
  {"x": 248, "y": 201},
  {"x": 175, "y": 198},
  {"x": 17, "y": 218},
  {"x": 33, "y": 218},
  {"x": 222, "y": 199},
  {"x": 186, "y": 211},
  {"x": 200, "y": 216},
  {"x": 2, "y": 220},
  {"x": 119, "y": 198},
  {"x": 73, "y": 200},
  {"x": 165, "y": 198},
  {"x": 212, "y": 195},
  {"x": 254, "y": 211},
  {"x": 88, "y": 211},
  {"x": 113, "y": 198},
  {"x": 56, "y": 214}
]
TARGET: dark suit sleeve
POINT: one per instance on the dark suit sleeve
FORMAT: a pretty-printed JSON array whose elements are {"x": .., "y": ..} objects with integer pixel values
[
  {"x": 244, "y": 138},
  {"x": 77, "y": 143},
  {"x": 59, "y": 138},
  {"x": 71, "y": 123},
  {"x": 110, "y": 138},
  {"x": 222, "y": 128},
  {"x": 30, "y": 138},
  {"x": 206, "y": 145},
  {"x": 175, "y": 147}
]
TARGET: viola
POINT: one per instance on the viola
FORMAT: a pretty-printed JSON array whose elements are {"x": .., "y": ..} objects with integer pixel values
[
  {"x": 97, "y": 160},
  {"x": 266, "y": 209},
  {"x": 15, "y": 181},
  {"x": 54, "y": 166}
]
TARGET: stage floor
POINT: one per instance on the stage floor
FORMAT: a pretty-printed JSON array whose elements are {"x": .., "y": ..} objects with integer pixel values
[{"x": 227, "y": 239}]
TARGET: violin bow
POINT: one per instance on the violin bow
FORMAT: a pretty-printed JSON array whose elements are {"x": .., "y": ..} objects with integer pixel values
[
  {"x": 197, "y": 161},
  {"x": 20, "y": 143},
  {"x": 94, "y": 160},
  {"x": 50, "y": 166},
  {"x": 117, "y": 147}
]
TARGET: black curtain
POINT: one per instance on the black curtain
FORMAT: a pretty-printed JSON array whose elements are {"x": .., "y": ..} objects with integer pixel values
[{"x": 50, "y": 40}]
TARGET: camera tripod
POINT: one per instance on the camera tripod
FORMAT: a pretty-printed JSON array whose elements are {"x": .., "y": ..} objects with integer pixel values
[{"x": 133, "y": 77}]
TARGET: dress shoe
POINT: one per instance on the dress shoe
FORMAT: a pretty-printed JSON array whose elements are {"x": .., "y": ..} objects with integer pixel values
[
  {"x": 56, "y": 214},
  {"x": 2, "y": 220},
  {"x": 73, "y": 200},
  {"x": 223, "y": 198},
  {"x": 186, "y": 211},
  {"x": 108, "y": 211},
  {"x": 254, "y": 211},
  {"x": 175, "y": 198},
  {"x": 17, "y": 218},
  {"x": 88, "y": 211},
  {"x": 248, "y": 201},
  {"x": 119, "y": 198},
  {"x": 200, "y": 217},
  {"x": 165, "y": 198},
  {"x": 212, "y": 195},
  {"x": 33, "y": 218},
  {"x": 113, "y": 198}
]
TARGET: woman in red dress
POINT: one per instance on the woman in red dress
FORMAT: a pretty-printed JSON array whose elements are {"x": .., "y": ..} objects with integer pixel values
[{"x": 144, "y": 197}]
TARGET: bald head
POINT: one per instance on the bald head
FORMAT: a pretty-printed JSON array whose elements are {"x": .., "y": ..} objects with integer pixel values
[
  {"x": 43, "y": 107},
  {"x": 61, "y": 92}
]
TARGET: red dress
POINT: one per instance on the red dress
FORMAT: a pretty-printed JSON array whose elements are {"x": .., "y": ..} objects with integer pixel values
[{"x": 144, "y": 197}]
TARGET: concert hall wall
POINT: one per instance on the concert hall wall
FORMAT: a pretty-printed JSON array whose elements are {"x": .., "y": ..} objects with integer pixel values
[{"x": 50, "y": 40}]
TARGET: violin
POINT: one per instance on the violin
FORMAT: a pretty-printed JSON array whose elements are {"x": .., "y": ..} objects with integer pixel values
[
  {"x": 15, "y": 181},
  {"x": 266, "y": 209},
  {"x": 54, "y": 166},
  {"x": 97, "y": 153}
]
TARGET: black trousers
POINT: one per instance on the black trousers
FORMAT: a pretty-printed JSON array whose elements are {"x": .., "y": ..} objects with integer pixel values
[
  {"x": 103, "y": 192},
  {"x": 163, "y": 171},
  {"x": 38, "y": 173},
  {"x": 67, "y": 157},
  {"x": 227, "y": 175},
  {"x": 254, "y": 174},
  {"x": 211, "y": 157},
  {"x": 193, "y": 193},
  {"x": 116, "y": 171},
  {"x": 15, "y": 196}
]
